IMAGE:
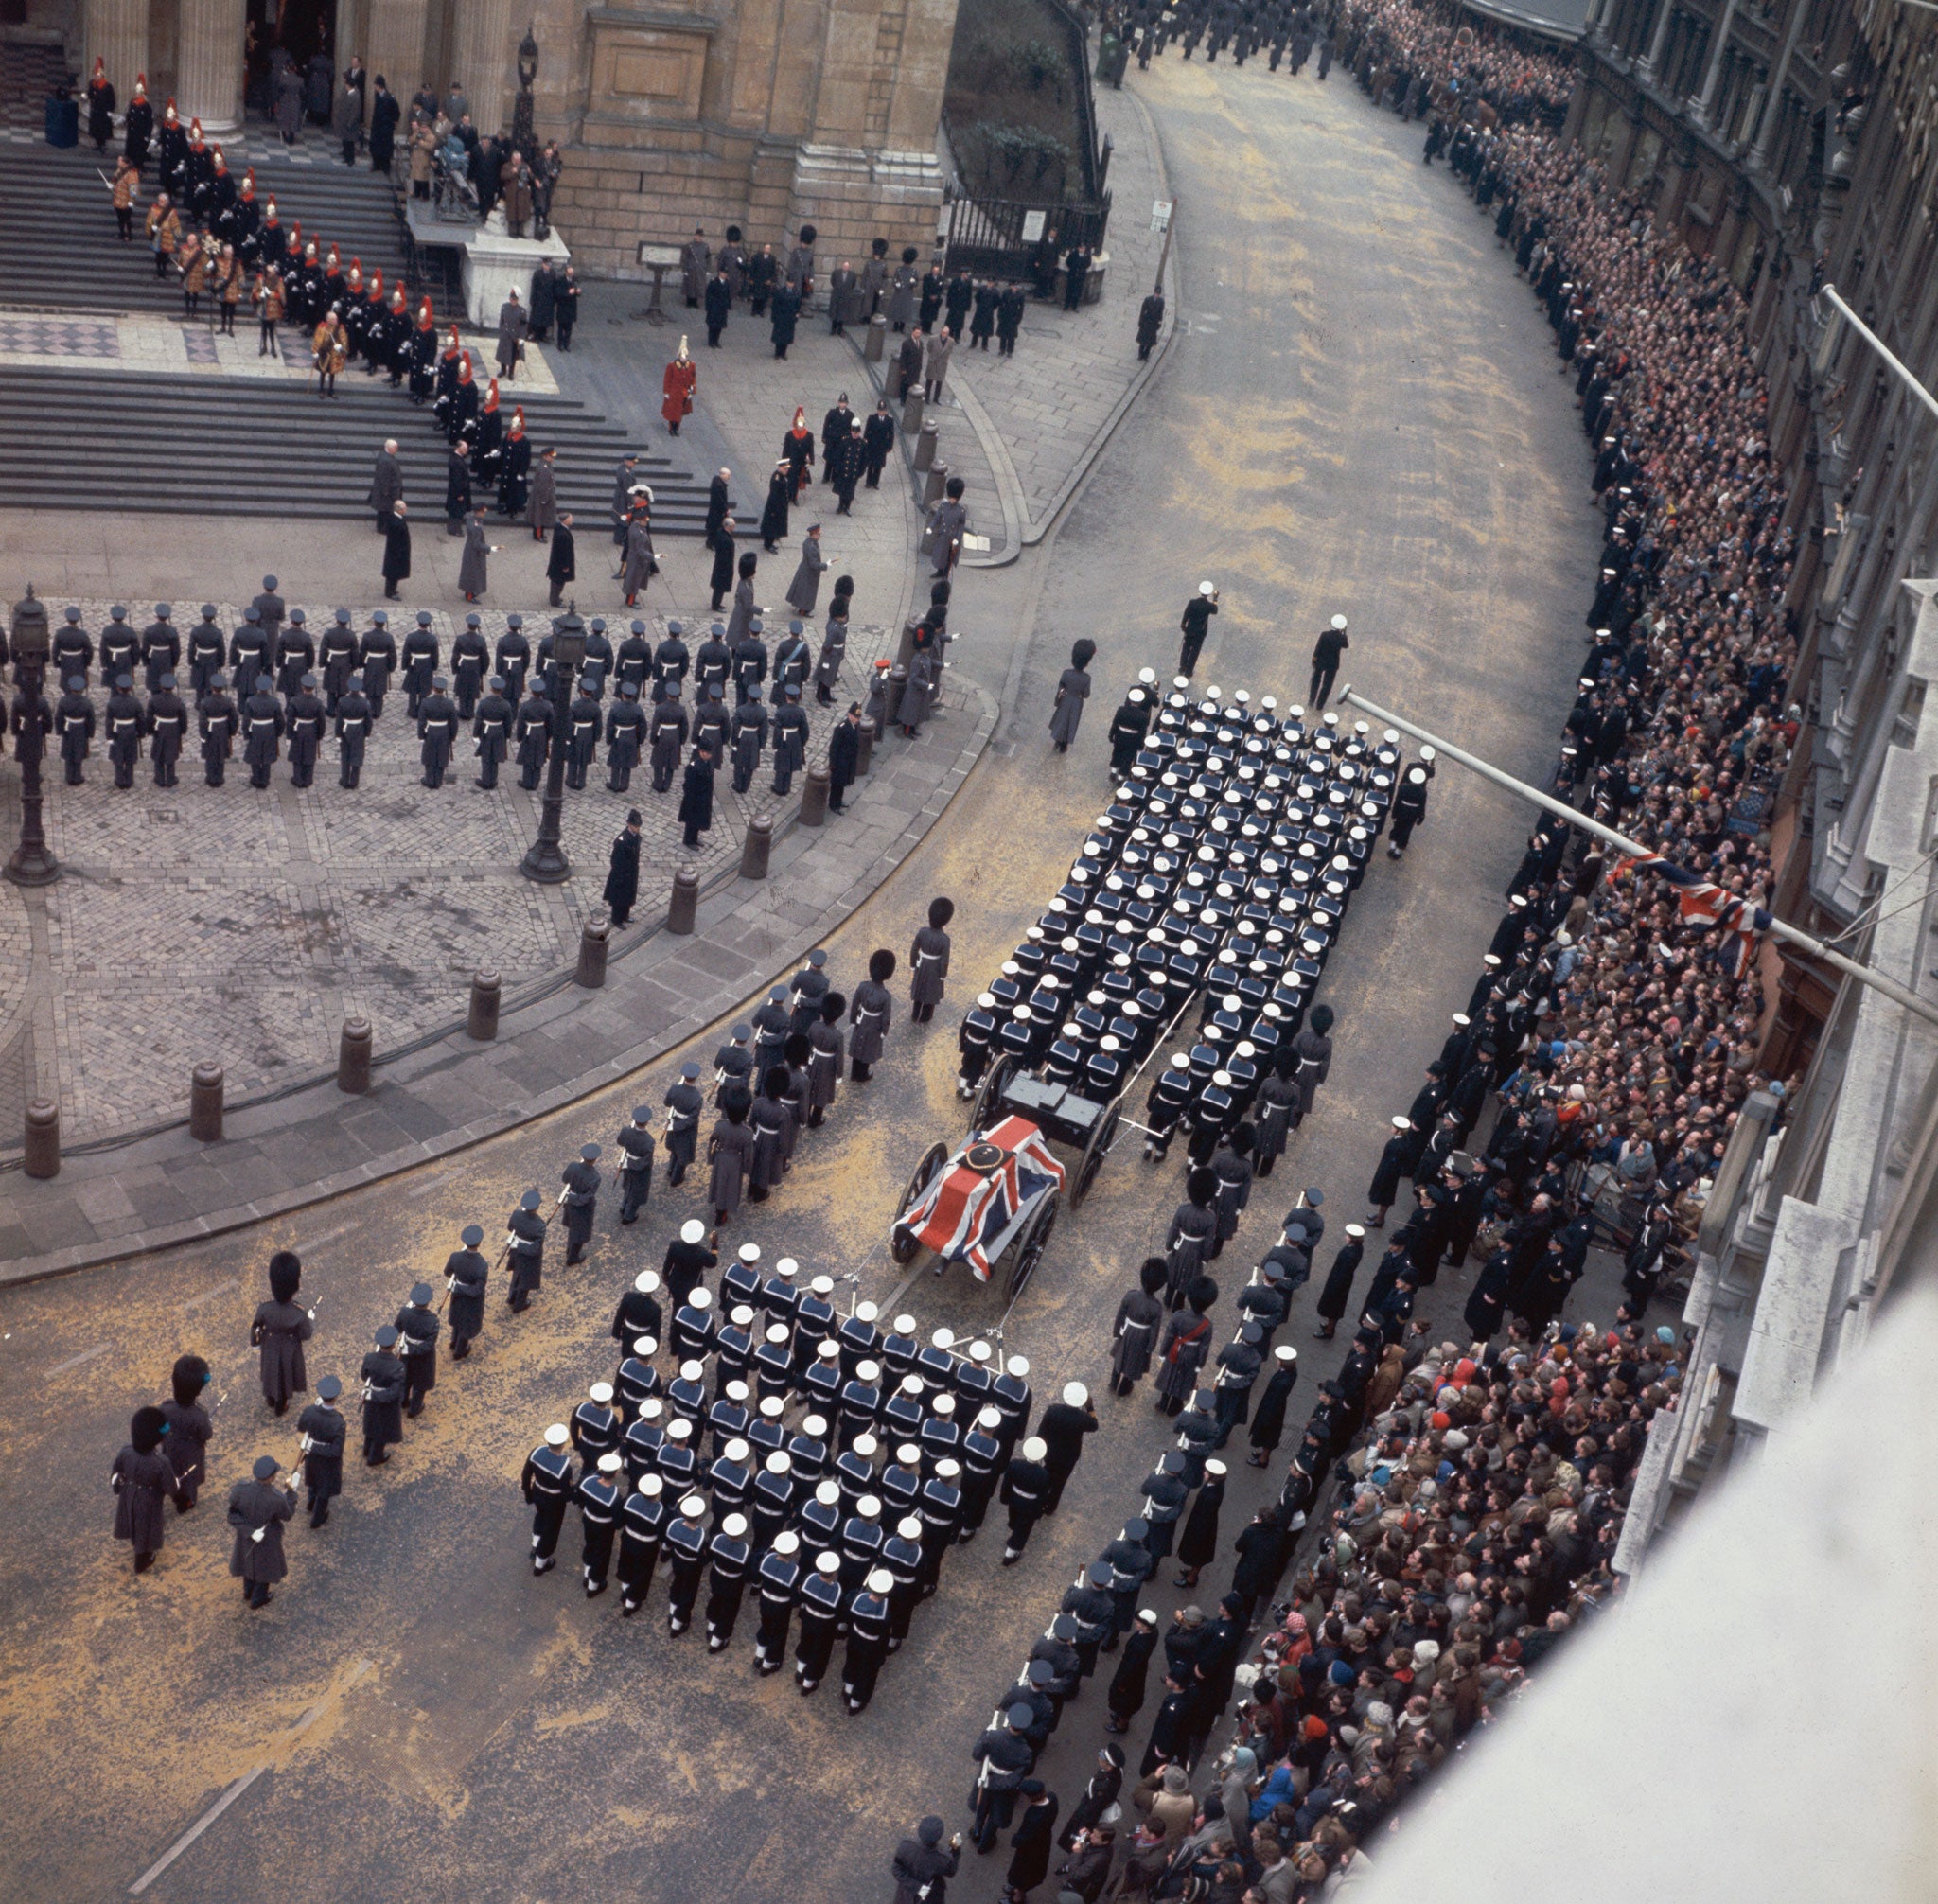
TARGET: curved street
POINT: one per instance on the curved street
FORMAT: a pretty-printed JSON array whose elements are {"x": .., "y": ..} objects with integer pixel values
[{"x": 1361, "y": 413}]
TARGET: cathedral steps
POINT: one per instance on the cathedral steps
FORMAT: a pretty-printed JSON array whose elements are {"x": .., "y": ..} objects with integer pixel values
[
  {"x": 58, "y": 249},
  {"x": 214, "y": 445}
]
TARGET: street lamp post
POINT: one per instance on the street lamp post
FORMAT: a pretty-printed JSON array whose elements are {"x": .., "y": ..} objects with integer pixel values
[
  {"x": 32, "y": 864},
  {"x": 545, "y": 860}
]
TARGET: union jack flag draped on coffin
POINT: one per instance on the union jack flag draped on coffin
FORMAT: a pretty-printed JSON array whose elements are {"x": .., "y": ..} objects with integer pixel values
[
  {"x": 965, "y": 1216},
  {"x": 1701, "y": 902}
]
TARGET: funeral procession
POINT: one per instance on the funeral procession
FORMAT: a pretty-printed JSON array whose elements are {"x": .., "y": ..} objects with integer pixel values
[{"x": 964, "y": 953}]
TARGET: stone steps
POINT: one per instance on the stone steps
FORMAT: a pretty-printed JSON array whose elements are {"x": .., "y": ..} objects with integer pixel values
[
  {"x": 59, "y": 247},
  {"x": 212, "y": 445}
]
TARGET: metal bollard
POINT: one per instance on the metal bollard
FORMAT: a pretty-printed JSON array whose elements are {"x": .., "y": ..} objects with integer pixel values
[
  {"x": 205, "y": 1105},
  {"x": 924, "y": 445},
  {"x": 754, "y": 848},
  {"x": 891, "y": 697},
  {"x": 483, "y": 1022},
  {"x": 681, "y": 914},
  {"x": 353, "y": 1057},
  {"x": 938, "y": 481},
  {"x": 911, "y": 411},
  {"x": 863, "y": 750},
  {"x": 42, "y": 1138},
  {"x": 878, "y": 339},
  {"x": 592, "y": 942},
  {"x": 814, "y": 797}
]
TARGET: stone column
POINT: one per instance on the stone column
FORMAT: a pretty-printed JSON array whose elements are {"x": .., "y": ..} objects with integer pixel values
[
  {"x": 208, "y": 65},
  {"x": 1651, "y": 61},
  {"x": 482, "y": 62},
  {"x": 1772, "y": 97},
  {"x": 1705, "y": 100},
  {"x": 396, "y": 51},
  {"x": 116, "y": 32}
]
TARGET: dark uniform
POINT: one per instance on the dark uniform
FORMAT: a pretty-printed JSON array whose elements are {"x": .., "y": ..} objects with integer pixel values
[
  {"x": 383, "y": 1399},
  {"x": 579, "y": 1201},
  {"x": 353, "y": 717},
  {"x": 305, "y": 721},
  {"x": 635, "y": 1144},
  {"x": 123, "y": 722},
  {"x": 323, "y": 1432},
  {"x": 533, "y": 733},
  {"x": 546, "y": 1485},
  {"x": 418, "y": 1328},
  {"x": 684, "y": 1102},
  {"x": 216, "y": 713},
  {"x": 437, "y": 732},
  {"x": 525, "y": 1243},
  {"x": 74, "y": 722},
  {"x": 466, "y": 1274}
]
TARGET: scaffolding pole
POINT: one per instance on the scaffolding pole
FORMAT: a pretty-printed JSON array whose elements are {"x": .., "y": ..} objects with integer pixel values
[{"x": 1780, "y": 928}]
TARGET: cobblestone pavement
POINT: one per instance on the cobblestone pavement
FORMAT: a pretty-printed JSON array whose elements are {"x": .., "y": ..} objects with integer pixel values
[
  {"x": 35, "y": 341},
  {"x": 200, "y": 924}
]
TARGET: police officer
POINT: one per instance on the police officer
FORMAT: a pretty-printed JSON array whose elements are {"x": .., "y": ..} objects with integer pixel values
[
  {"x": 579, "y": 1199},
  {"x": 418, "y": 1327},
  {"x": 167, "y": 722},
  {"x": 324, "y": 1430},
  {"x": 123, "y": 722},
  {"x": 491, "y": 731},
  {"x": 525, "y": 1244},
  {"x": 466, "y": 1274},
  {"x": 304, "y": 720}
]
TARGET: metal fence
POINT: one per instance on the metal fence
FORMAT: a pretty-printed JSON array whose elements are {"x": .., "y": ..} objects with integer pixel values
[{"x": 998, "y": 237}]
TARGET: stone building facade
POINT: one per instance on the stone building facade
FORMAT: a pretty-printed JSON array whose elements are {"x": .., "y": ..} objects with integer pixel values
[{"x": 765, "y": 114}]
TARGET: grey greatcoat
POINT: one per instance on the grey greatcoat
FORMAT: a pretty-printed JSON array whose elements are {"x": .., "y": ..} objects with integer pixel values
[
  {"x": 280, "y": 1330},
  {"x": 1072, "y": 691},
  {"x": 901, "y": 297},
  {"x": 640, "y": 560},
  {"x": 825, "y": 1065},
  {"x": 471, "y": 565},
  {"x": 544, "y": 500},
  {"x": 259, "y": 1506},
  {"x": 696, "y": 261},
  {"x": 868, "y": 1013},
  {"x": 917, "y": 697},
  {"x": 935, "y": 361},
  {"x": 142, "y": 1483},
  {"x": 805, "y": 590},
  {"x": 731, "y": 1151},
  {"x": 928, "y": 966},
  {"x": 513, "y": 323}
]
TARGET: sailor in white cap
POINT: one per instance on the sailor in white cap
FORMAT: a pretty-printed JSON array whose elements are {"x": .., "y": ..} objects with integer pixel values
[
  {"x": 1026, "y": 1483},
  {"x": 546, "y": 1485},
  {"x": 1194, "y": 621},
  {"x": 1061, "y": 1428},
  {"x": 1327, "y": 650}
]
